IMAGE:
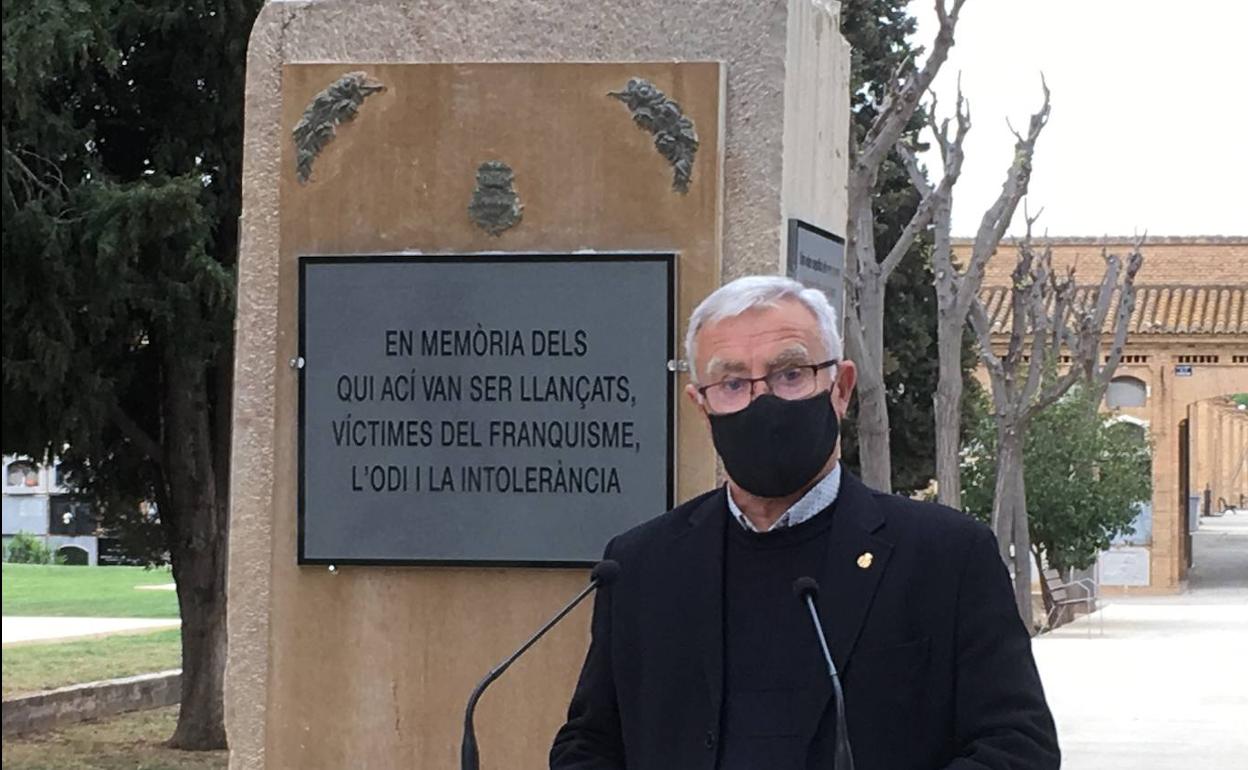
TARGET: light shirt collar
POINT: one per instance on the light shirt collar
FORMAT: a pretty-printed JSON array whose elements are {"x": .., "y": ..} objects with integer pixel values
[{"x": 819, "y": 496}]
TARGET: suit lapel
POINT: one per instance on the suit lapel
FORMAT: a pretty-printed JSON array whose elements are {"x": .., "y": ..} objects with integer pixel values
[
  {"x": 846, "y": 589},
  {"x": 700, "y": 546},
  {"x": 852, "y": 571}
]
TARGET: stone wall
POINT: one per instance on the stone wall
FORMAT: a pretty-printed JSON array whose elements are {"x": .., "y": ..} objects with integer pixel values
[{"x": 77, "y": 703}]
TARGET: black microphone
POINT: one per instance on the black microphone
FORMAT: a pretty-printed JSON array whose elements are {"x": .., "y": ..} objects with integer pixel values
[
  {"x": 603, "y": 574},
  {"x": 807, "y": 590}
]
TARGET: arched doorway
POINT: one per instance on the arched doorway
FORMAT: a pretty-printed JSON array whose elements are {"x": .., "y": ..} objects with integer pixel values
[
  {"x": 1142, "y": 526},
  {"x": 1126, "y": 392},
  {"x": 73, "y": 555}
]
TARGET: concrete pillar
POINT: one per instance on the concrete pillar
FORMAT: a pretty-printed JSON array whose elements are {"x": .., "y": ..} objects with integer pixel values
[
  {"x": 1208, "y": 452},
  {"x": 1240, "y": 488},
  {"x": 370, "y": 666},
  {"x": 1227, "y": 437},
  {"x": 1205, "y": 461},
  {"x": 1226, "y": 441},
  {"x": 1225, "y": 450},
  {"x": 1218, "y": 463},
  {"x": 1217, "y": 460},
  {"x": 1209, "y": 472},
  {"x": 1196, "y": 445},
  {"x": 1164, "y": 555}
]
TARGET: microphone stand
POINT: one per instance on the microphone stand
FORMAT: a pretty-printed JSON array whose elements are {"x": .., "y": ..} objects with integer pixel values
[
  {"x": 843, "y": 757},
  {"x": 469, "y": 757}
]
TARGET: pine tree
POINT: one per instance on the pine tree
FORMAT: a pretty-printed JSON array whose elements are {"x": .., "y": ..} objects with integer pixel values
[{"x": 122, "y": 136}]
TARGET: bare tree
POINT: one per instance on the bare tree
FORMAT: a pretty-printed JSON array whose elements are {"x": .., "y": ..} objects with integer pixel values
[
  {"x": 867, "y": 274},
  {"x": 1052, "y": 322},
  {"x": 957, "y": 286}
]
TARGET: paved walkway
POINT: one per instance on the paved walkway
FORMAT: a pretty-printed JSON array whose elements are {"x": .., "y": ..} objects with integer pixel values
[
  {"x": 17, "y": 630},
  {"x": 1166, "y": 686}
]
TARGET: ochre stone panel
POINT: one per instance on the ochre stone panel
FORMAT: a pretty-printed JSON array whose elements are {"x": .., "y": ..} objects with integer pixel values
[{"x": 370, "y": 667}]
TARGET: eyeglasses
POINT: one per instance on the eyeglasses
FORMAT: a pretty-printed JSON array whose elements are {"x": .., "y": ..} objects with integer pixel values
[{"x": 790, "y": 383}]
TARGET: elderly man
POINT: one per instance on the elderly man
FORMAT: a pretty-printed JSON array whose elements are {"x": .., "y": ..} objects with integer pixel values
[{"x": 702, "y": 657}]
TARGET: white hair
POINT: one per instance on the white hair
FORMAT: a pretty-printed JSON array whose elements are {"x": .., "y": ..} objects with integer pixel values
[{"x": 733, "y": 299}]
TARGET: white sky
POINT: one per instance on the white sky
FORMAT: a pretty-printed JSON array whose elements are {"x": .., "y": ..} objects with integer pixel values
[{"x": 1149, "y": 111}]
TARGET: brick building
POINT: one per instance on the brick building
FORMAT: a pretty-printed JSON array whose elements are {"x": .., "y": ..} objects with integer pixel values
[{"x": 1186, "y": 355}]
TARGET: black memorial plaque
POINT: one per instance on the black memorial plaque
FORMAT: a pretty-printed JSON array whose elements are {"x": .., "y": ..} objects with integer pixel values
[
  {"x": 816, "y": 258},
  {"x": 498, "y": 409}
]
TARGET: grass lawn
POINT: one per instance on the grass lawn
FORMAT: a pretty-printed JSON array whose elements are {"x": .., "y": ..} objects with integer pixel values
[
  {"x": 32, "y": 667},
  {"x": 126, "y": 742},
  {"x": 88, "y": 592}
]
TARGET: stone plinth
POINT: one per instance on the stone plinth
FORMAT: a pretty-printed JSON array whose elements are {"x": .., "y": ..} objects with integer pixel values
[{"x": 370, "y": 666}]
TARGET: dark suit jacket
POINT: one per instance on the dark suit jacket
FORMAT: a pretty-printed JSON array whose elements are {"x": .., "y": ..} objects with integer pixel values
[{"x": 936, "y": 665}]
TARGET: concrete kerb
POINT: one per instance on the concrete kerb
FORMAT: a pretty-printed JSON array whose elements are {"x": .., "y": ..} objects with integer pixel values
[{"x": 92, "y": 700}]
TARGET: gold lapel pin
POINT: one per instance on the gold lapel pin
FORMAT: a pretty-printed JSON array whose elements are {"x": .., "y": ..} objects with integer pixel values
[{"x": 865, "y": 560}]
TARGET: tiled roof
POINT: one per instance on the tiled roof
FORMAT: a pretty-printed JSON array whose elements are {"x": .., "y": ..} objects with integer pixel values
[{"x": 1159, "y": 309}]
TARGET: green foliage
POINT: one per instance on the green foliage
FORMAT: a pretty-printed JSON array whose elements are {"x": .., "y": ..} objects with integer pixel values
[
  {"x": 1241, "y": 399},
  {"x": 25, "y": 548},
  {"x": 122, "y": 152},
  {"x": 879, "y": 32},
  {"x": 1085, "y": 474}
]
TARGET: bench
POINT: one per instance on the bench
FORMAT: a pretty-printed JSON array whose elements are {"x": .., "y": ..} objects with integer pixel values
[{"x": 1062, "y": 595}]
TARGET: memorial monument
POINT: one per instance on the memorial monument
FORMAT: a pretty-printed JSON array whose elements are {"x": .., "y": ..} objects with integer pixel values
[{"x": 471, "y": 238}]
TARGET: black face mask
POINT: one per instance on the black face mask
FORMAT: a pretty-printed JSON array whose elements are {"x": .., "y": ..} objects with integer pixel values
[{"x": 773, "y": 447}]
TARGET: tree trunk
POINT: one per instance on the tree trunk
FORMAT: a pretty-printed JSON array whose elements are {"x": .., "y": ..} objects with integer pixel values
[
  {"x": 1009, "y": 457},
  {"x": 1045, "y": 594},
  {"x": 1022, "y": 556},
  {"x": 1009, "y": 514},
  {"x": 949, "y": 414},
  {"x": 196, "y": 526},
  {"x": 874, "y": 453}
]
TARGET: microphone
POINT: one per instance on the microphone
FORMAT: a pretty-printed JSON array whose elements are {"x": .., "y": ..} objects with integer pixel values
[
  {"x": 603, "y": 574},
  {"x": 807, "y": 591}
]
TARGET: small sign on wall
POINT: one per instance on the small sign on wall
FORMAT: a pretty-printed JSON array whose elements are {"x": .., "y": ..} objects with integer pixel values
[
  {"x": 1183, "y": 370},
  {"x": 816, "y": 258}
]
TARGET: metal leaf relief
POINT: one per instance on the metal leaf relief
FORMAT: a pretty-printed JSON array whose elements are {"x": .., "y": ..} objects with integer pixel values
[
  {"x": 674, "y": 134},
  {"x": 495, "y": 205},
  {"x": 337, "y": 104}
]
